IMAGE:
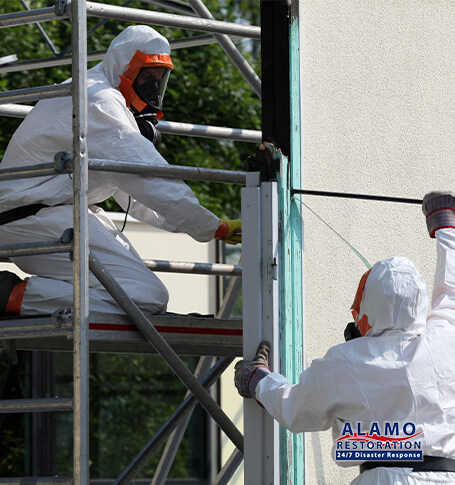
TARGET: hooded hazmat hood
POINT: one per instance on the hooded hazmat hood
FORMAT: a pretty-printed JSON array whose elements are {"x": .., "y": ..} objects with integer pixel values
[
  {"x": 395, "y": 298},
  {"x": 125, "y": 45}
]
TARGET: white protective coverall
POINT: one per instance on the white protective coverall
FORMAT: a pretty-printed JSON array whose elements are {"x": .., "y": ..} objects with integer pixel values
[
  {"x": 403, "y": 370},
  {"x": 112, "y": 134}
]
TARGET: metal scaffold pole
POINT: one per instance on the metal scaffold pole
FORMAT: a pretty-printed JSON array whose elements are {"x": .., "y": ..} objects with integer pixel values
[
  {"x": 80, "y": 244},
  {"x": 260, "y": 321}
]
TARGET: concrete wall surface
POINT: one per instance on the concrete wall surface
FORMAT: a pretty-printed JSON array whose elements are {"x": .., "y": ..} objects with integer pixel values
[{"x": 378, "y": 110}]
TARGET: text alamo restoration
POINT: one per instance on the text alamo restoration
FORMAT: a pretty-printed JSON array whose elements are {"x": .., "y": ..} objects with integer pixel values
[
  {"x": 385, "y": 441},
  {"x": 380, "y": 455}
]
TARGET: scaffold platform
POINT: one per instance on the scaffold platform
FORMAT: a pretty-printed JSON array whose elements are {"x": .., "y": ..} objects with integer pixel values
[{"x": 186, "y": 334}]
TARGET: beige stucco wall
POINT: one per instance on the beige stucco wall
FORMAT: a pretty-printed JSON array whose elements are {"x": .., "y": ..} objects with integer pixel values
[{"x": 378, "y": 118}]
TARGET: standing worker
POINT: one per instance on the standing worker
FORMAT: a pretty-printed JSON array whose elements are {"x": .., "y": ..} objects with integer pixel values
[
  {"x": 400, "y": 370},
  {"x": 124, "y": 92}
]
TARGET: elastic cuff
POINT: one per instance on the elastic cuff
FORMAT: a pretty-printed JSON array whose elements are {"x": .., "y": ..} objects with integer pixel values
[
  {"x": 13, "y": 307},
  {"x": 259, "y": 373},
  {"x": 222, "y": 231},
  {"x": 433, "y": 233}
]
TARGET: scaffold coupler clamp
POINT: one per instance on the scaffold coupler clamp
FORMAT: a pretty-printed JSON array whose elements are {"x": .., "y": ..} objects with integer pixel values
[
  {"x": 63, "y": 162},
  {"x": 60, "y": 7},
  {"x": 67, "y": 236},
  {"x": 63, "y": 317},
  {"x": 267, "y": 161}
]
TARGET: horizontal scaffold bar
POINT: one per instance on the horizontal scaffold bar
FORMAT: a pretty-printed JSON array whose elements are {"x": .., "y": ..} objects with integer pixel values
[
  {"x": 194, "y": 41},
  {"x": 169, "y": 171},
  {"x": 64, "y": 160},
  {"x": 167, "y": 127},
  {"x": 32, "y": 94},
  {"x": 45, "y": 327},
  {"x": 37, "y": 481},
  {"x": 165, "y": 171},
  {"x": 101, "y": 10},
  {"x": 36, "y": 405},
  {"x": 194, "y": 268},
  {"x": 148, "y": 17},
  {"x": 41, "y": 247},
  {"x": 203, "y": 131},
  {"x": 28, "y": 17},
  {"x": 29, "y": 171}
]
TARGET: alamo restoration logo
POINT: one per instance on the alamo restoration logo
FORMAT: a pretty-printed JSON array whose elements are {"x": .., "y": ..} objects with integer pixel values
[{"x": 389, "y": 441}]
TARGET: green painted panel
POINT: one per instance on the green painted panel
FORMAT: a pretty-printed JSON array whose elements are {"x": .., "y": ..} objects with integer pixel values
[{"x": 291, "y": 275}]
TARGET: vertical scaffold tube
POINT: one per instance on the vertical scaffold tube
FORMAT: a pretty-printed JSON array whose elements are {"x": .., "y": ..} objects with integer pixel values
[{"x": 80, "y": 248}]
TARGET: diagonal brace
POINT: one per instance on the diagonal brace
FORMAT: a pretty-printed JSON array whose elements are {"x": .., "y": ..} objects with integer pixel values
[
  {"x": 177, "y": 417},
  {"x": 163, "y": 348},
  {"x": 230, "y": 49},
  {"x": 167, "y": 458}
]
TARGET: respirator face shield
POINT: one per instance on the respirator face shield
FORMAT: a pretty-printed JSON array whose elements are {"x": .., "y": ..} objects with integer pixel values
[{"x": 150, "y": 85}]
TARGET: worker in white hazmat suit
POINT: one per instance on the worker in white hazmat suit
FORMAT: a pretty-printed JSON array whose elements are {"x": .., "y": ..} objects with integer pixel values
[
  {"x": 131, "y": 80},
  {"x": 401, "y": 370}
]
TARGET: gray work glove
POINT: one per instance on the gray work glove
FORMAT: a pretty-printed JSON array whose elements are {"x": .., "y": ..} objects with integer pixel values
[
  {"x": 439, "y": 210},
  {"x": 249, "y": 372}
]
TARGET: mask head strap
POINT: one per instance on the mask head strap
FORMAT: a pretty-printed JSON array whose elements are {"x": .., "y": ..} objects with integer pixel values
[{"x": 362, "y": 324}]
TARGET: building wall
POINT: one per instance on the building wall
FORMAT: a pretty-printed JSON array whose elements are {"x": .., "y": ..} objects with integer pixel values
[{"x": 378, "y": 112}]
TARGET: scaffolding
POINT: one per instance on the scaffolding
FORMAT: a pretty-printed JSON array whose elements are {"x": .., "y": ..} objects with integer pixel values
[{"x": 272, "y": 286}]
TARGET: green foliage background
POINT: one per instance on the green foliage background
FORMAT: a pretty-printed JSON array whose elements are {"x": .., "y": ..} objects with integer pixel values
[
  {"x": 204, "y": 88},
  {"x": 131, "y": 396}
]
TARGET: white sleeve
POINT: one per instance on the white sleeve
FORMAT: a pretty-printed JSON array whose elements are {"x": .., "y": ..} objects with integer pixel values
[
  {"x": 141, "y": 212},
  {"x": 301, "y": 407},
  {"x": 114, "y": 135},
  {"x": 443, "y": 299}
]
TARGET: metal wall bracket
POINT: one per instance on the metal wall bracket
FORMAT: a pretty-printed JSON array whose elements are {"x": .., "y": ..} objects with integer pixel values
[{"x": 267, "y": 161}]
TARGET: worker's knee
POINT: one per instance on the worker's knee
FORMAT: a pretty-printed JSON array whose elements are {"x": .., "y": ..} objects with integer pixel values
[{"x": 150, "y": 295}]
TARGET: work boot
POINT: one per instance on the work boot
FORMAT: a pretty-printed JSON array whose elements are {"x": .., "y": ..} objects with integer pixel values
[
  {"x": 439, "y": 209},
  {"x": 8, "y": 281}
]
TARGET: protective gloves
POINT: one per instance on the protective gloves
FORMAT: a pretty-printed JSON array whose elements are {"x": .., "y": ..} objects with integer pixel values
[
  {"x": 230, "y": 231},
  {"x": 439, "y": 209},
  {"x": 248, "y": 373}
]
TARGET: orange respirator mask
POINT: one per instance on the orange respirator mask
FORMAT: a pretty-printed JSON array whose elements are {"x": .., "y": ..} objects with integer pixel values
[{"x": 144, "y": 82}]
